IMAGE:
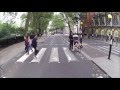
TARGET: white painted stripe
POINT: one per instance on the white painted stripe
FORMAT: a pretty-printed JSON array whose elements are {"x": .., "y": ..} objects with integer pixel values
[
  {"x": 25, "y": 56},
  {"x": 69, "y": 55},
  {"x": 113, "y": 48},
  {"x": 98, "y": 49},
  {"x": 100, "y": 77},
  {"x": 86, "y": 55},
  {"x": 39, "y": 55},
  {"x": 114, "y": 51},
  {"x": 54, "y": 55},
  {"x": 108, "y": 50}
]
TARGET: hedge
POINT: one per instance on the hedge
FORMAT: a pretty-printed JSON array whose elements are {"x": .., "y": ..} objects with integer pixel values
[{"x": 4, "y": 42}]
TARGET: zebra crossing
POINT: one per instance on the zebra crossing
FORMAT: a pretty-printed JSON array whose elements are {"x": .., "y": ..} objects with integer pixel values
[
  {"x": 25, "y": 56},
  {"x": 54, "y": 55},
  {"x": 115, "y": 50},
  {"x": 39, "y": 55}
]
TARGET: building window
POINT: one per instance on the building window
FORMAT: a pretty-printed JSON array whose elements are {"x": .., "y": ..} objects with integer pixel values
[
  {"x": 108, "y": 21},
  {"x": 101, "y": 20},
  {"x": 96, "y": 20},
  {"x": 115, "y": 20}
]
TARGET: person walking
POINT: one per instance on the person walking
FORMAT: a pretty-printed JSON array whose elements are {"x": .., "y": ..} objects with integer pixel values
[
  {"x": 80, "y": 38},
  {"x": 71, "y": 40},
  {"x": 26, "y": 44},
  {"x": 34, "y": 45},
  {"x": 30, "y": 42}
]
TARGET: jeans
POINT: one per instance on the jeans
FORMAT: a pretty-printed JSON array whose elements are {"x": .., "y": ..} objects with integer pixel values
[{"x": 35, "y": 50}]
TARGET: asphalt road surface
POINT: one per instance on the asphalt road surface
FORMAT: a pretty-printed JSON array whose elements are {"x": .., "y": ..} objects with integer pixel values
[{"x": 54, "y": 60}]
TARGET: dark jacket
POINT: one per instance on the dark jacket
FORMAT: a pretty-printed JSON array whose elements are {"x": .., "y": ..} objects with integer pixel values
[
  {"x": 34, "y": 42},
  {"x": 71, "y": 38},
  {"x": 26, "y": 42}
]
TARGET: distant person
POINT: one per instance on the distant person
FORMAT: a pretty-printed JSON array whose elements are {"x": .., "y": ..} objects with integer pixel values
[
  {"x": 34, "y": 45},
  {"x": 109, "y": 37},
  {"x": 26, "y": 44},
  {"x": 71, "y": 40},
  {"x": 80, "y": 37},
  {"x": 30, "y": 42}
]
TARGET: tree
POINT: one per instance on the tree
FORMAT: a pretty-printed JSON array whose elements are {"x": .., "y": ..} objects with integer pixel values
[
  {"x": 57, "y": 22},
  {"x": 38, "y": 21},
  {"x": 10, "y": 17},
  {"x": 68, "y": 17}
]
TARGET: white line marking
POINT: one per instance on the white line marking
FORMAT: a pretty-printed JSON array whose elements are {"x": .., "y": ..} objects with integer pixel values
[
  {"x": 100, "y": 77},
  {"x": 24, "y": 57},
  {"x": 98, "y": 49},
  {"x": 69, "y": 55},
  {"x": 108, "y": 50},
  {"x": 113, "y": 48},
  {"x": 39, "y": 55},
  {"x": 54, "y": 55},
  {"x": 86, "y": 55}
]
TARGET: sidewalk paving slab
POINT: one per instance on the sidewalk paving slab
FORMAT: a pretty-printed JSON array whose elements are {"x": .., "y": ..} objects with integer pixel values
[{"x": 111, "y": 67}]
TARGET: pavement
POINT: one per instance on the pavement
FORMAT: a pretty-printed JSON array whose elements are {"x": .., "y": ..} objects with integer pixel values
[
  {"x": 54, "y": 60},
  {"x": 111, "y": 67},
  {"x": 100, "y": 57},
  {"x": 97, "y": 51}
]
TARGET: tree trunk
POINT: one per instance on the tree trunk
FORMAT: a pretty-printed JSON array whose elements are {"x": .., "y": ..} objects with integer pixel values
[
  {"x": 68, "y": 24},
  {"x": 27, "y": 23}
]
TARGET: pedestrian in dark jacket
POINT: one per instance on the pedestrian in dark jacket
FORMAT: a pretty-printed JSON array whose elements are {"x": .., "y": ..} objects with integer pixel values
[
  {"x": 80, "y": 37},
  {"x": 34, "y": 44},
  {"x": 71, "y": 40}
]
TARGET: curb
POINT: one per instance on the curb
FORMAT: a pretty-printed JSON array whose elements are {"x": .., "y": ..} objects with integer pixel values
[
  {"x": 101, "y": 69},
  {"x": 91, "y": 59}
]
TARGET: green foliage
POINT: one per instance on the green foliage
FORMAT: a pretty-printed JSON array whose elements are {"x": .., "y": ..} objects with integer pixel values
[
  {"x": 68, "y": 17},
  {"x": 11, "y": 15},
  {"x": 57, "y": 22},
  {"x": 38, "y": 21},
  {"x": 7, "y": 30}
]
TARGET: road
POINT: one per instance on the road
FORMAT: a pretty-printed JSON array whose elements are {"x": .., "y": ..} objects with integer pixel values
[{"x": 54, "y": 60}]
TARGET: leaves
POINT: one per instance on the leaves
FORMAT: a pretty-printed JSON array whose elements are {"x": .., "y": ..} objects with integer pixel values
[
  {"x": 10, "y": 17},
  {"x": 37, "y": 21},
  {"x": 57, "y": 22}
]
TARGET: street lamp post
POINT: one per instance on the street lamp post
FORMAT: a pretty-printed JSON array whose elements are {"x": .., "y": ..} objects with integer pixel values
[{"x": 110, "y": 17}]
